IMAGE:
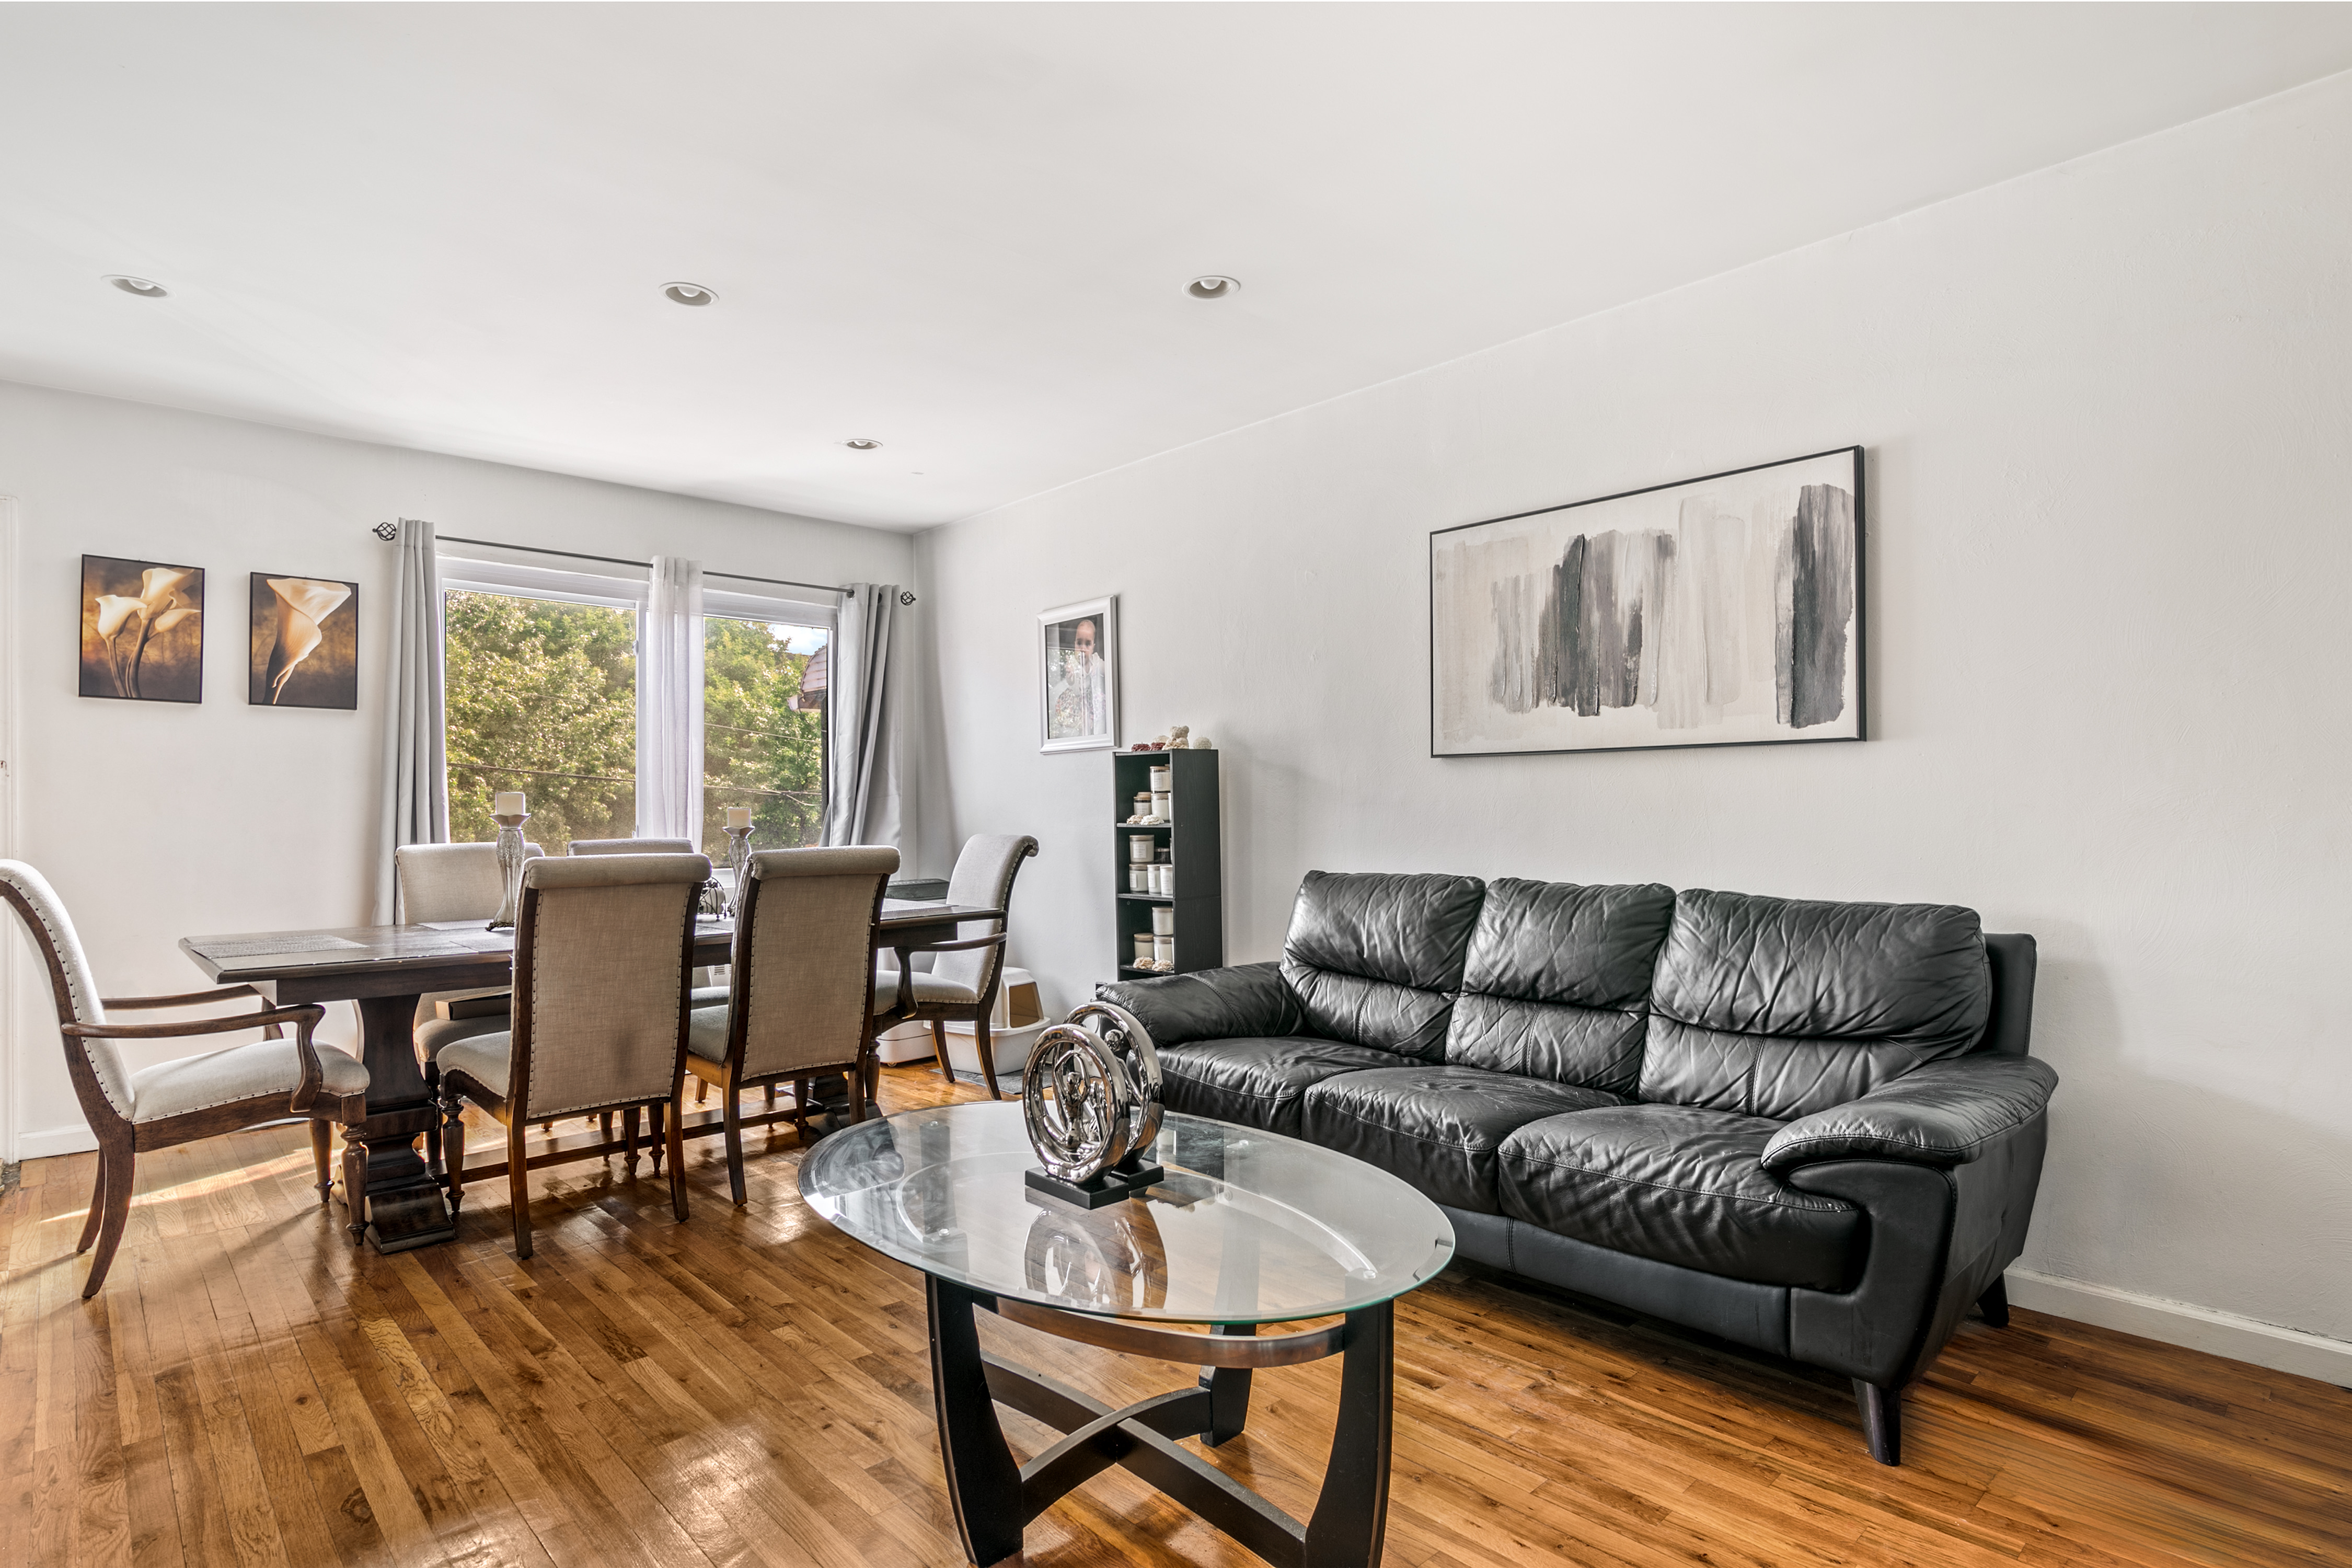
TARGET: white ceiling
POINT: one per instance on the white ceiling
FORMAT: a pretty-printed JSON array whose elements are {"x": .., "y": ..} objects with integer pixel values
[{"x": 965, "y": 230}]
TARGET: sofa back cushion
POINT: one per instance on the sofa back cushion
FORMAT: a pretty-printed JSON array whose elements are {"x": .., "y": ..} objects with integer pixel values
[
  {"x": 1780, "y": 1007},
  {"x": 1557, "y": 981},
  {"x": 1375, "y": 959}
]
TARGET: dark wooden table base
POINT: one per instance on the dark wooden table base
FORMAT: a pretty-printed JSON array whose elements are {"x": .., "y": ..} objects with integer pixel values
[{"x": 994, "y": 1499}]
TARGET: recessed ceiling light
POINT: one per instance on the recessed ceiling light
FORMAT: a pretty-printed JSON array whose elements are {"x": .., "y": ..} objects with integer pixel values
[
  {"x": 139, "y": 286},
  {"x": 861, "y": 444},
  {"x": 1214, "y": 287},
  {"x": 688, "y": 294}
]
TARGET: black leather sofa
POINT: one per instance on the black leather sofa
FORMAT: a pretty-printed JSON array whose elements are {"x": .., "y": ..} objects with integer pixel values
[{"x": 1811, "y": 1129}]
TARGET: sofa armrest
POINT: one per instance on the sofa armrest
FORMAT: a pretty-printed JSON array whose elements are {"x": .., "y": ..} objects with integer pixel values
[
  {"x": 1944, "y": 1114},
  {"x": 1244, "y": 1001}
]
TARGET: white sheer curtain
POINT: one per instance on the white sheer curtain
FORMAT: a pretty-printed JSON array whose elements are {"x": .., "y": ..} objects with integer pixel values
[
  {"x": 864, "y": 791},
  {"x": 670, "y": 703},
  {"x": 414, "y": 797}
]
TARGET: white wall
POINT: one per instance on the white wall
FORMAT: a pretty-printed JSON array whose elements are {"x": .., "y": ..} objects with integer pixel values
[
  {"x": 2110, "y": 447},
  {"x": 157, "y": 821}
]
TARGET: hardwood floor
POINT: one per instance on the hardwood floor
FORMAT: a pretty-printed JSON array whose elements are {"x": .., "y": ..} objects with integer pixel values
[{"x": 752, "y": 1388}]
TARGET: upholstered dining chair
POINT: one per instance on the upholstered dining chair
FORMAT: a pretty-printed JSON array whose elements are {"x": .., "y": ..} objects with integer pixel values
[
  {"x": 704, "y": 992},
  {"x": 602, "y": 947},
  {"x": 800, "y": 997},
  {"x": 197, "y": 1096},
  {"x": 961, "y": 986},
  {"x": 451, "y": 883}
]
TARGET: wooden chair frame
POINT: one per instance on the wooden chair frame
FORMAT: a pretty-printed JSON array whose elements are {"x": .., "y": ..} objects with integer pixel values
[
  {"x": 728, "y": 1077},
  {"x": 939, "y": 1015},
  {"x": 511, "y": 1109},
  {"x": 121, "y": 1141}
]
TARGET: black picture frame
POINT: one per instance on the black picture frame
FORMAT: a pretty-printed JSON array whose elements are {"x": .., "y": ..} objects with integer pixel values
[
  {"x": 1853, "y": 536},
  {"x": 140, "y": 630}
]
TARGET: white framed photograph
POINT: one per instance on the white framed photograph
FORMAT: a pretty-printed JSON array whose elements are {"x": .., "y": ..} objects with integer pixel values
[{"x": 1077, "y": 672}]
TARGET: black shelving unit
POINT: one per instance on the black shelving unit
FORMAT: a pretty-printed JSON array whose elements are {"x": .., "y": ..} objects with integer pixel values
[{"x": 1191, "y": 842}]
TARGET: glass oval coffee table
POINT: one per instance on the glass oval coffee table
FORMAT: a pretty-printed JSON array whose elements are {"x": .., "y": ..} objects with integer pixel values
[{"x": 1249, "y": 1229}]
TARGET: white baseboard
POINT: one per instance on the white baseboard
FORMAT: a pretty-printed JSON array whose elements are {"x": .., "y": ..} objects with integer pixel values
[
  {"x": 74, "y": 1139},
  {"x": 2179, "y": 1323}
]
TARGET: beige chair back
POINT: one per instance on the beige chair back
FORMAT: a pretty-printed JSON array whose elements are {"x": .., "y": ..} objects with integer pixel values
[
  {"x": 984, "y": 876},
  {"x": 450, "y": 881},
  {"x": 602, "y": 950},
  {"x": 632, "y": 846},
  {"x": 52, "y": 934},
  {"x": 801, "y": 991}
]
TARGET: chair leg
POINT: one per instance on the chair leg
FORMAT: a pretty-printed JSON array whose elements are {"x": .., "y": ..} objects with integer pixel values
[
  {"x": 433, "y": 1128},
  {"x": 1994, "y": 1304},
  {"x": 604, "y": 1124},
  {"x": 771, "y": 1096},
  {"x": 987, "y": 1050},
  {"x": 1882, "y": 1420},
  {"x": 117, "y": 1178},
  {"x": 858, "y": 1088},
  {"x": 675, "y": 1123},
  {"x": 629, "y": 1141},
  {"x": 940, "y": 1043},
  {"x": 656, "y": 1140},
  {"x": 702, "y": 1092},
  {"x": 355, "y": 1164},
  {"x": 519, "y": 1189},
  {"x": 731, "y": 1110},
  {"x": 453, "y": 1141},
  {"x": 97, "y": 1205},
  {"x": 322, "y": 1144},
  {"x": 800, "y": 1106}
]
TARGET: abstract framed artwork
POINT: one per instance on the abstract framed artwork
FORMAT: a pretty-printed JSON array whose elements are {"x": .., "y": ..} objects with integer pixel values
[
  {"x": 142, "y": 631},
  {"x": 1722, "y": 611},
  {"x": 304, "y": 642},
  {"x": 1078, "y": 673}
]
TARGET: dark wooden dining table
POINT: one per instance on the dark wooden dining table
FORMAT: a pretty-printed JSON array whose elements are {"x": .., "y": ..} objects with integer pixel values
[{"x": 383, "y": 970}]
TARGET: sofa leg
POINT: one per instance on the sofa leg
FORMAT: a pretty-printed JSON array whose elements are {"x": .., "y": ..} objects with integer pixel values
[
  {"x": 1882, "y": 1420},
  {"x": 1994, "y": 1304}
]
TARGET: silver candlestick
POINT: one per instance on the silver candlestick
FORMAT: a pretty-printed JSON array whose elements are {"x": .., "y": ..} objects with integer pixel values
[
  {"x": 511, "y": 860},
  {"x": 738, "y": 861}
]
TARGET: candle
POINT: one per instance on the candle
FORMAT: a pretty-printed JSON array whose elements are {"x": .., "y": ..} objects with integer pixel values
[
  {"x": 738, "y": 816},
  {"x": 507, "y": 803}
]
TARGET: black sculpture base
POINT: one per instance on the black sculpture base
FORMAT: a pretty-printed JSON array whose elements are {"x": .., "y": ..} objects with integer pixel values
[{"x": 1113, "y": 1187}]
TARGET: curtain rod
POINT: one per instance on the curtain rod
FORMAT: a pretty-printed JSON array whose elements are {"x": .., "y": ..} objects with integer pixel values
[{"x": 620, "y": 561}]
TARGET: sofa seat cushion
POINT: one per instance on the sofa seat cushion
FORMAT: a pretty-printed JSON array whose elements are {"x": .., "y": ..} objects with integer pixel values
[
  {"x": 1437, "y": 1127},
  {"x": 1680, "y": 1185},
  {"x": 241, "y": 1073},
  {"x": 1259, "y": 1082}
]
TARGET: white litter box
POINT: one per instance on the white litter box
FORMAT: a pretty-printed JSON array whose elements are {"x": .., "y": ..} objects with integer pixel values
[{"x": 1013, "y": 1026}]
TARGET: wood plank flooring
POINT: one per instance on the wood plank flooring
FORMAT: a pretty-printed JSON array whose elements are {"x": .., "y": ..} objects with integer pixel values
[{"x": 750, "y": 1388}]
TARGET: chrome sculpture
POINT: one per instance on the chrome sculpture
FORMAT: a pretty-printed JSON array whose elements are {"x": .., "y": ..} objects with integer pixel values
[{"x": 1091, "y": 1098}]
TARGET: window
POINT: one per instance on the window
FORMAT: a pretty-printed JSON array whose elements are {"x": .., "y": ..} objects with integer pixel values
[
  {"x": 541, "y": 684},
  {"x": 763, "y": 730}
]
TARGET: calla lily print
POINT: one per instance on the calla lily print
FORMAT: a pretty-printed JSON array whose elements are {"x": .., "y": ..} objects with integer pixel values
[
  {"x": 305, "y": 643},
  {"x": 142, "y": 630}
]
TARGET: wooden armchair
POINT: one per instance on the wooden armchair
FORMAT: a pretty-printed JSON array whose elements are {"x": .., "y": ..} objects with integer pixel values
[
  {"x": 180, "y": 1101},
  {"x": 961, "y": 986}
]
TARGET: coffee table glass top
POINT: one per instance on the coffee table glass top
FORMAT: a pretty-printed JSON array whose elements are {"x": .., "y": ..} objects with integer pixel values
[{"x": 1249, "y": 1227}]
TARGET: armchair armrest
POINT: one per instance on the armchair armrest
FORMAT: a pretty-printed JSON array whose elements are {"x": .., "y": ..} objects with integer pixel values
[
  {"x": 186, "y": 999},
  {"x": 1944, "y": 1114},
  {"x": 304, "y": 1019},
  {"x": 996, "y": 941},
  {"x": 1244, "y": 1001}
]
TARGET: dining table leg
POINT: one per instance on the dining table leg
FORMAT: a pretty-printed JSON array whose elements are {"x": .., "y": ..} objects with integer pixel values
[{"x": 406, "y": 1206}]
